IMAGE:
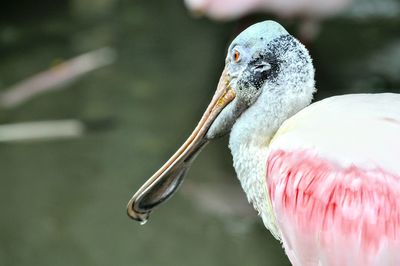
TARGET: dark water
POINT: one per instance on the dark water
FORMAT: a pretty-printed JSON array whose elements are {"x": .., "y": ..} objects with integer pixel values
[{"x": 63, "y": 201}]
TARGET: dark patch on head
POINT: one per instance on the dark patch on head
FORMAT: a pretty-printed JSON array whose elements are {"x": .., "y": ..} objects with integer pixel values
[
  {"x": 281, "y": 45},
  {"x": 258, "y": 77},
  {"x": 273, "y": 54}
]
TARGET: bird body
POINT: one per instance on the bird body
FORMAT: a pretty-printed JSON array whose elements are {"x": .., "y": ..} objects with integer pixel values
[
  {"x": 325, "y": 177},
  {"x": 328, "y": 182}
]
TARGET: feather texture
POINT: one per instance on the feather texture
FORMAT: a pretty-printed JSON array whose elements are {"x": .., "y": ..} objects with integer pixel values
[{"x": 333, "y": 176}]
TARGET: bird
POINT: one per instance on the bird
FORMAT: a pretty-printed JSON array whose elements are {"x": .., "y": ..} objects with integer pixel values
[
  {"x": 308, "y": 13},
  {"x": 223, "y": 10},
  {"x": 324, "y": 177}
]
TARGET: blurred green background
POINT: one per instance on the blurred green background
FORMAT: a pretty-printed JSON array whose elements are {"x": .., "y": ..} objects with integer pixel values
[{"x": 63, "y": 200}]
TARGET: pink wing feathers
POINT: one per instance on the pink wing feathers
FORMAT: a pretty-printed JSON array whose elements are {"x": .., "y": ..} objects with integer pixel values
[
  {"x": 336, "y": 205},
  {"x": 334, "y": 215}
]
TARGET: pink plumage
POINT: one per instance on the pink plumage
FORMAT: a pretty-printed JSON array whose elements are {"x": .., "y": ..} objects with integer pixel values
[
  {"x": 334, "y": 182},
  {"x": 233, "y": 9},
  {"x": 344, "y": 214}
]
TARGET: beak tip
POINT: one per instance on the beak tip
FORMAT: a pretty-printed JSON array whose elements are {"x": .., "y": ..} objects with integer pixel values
[{"x": 137, "y": 216}]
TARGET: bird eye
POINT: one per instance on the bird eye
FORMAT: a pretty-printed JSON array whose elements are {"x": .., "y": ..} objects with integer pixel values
[{"x": 236, "y": 56}]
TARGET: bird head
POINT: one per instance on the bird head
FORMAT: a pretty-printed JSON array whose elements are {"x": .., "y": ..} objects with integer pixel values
[{"x": 263, "y": 60}]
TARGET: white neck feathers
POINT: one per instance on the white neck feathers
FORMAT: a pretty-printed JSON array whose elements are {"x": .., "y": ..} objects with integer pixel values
[{"x": 249, "y": 141}]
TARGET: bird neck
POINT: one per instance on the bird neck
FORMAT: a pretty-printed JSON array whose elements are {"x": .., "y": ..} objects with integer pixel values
[{"x": 249, "y": 141}]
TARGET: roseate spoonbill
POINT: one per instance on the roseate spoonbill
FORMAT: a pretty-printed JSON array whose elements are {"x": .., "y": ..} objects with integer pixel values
[
  {"x": 309, "y": 12},
  {"x": 324, "y": 178},
  {"x": 233, "y": 9}
]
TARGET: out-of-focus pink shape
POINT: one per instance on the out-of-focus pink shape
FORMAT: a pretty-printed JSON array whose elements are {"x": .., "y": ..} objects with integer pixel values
[{"x": 233, "y": 9}]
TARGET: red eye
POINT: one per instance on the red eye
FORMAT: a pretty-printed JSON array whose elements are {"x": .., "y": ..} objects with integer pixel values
[{"x": 236, "y": 56}]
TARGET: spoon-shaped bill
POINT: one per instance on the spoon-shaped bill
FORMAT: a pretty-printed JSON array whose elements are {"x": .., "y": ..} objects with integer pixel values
[{"x": 162, "y": 185}]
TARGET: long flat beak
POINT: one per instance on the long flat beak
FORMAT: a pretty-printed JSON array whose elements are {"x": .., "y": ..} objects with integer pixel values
[{"x": 162, "y": 185}]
